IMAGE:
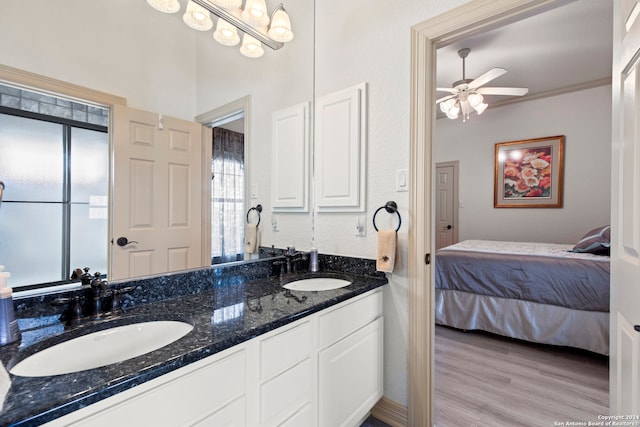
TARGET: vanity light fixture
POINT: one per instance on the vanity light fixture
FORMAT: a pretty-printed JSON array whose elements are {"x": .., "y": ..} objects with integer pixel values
[
  {"x": 253, "y": 21},
  {"x": 226, "y": 34},
  {"x": 166, "y": 6},
  {"x": 251, "y": 48},
  {"x": 197, "y": 17}
]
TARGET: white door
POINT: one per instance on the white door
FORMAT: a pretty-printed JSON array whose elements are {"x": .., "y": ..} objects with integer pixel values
[
  {"x": 157, "y": 193},
  {"x": 625, "y": 212},
  {"x": 446, "y": 204}
]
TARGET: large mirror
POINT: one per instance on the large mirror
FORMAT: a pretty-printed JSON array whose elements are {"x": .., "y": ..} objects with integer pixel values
[{"x": 158, "y": 64}]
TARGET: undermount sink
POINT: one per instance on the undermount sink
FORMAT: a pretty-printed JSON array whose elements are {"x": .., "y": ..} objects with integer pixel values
[
  {"x": 317, "y": 284},
  {"x": 102, "y": 348}
]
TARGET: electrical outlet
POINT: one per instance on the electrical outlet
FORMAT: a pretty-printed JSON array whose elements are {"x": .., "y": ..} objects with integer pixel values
[
  {"x": 274, "y": 223},
  {"x": 361, "y": 227}
]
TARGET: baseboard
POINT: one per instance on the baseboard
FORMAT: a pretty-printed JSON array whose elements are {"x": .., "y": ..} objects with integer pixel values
[{"x": 391, "y": 412}]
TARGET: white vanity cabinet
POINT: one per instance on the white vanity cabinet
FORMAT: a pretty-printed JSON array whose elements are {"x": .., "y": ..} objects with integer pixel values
[{"x": 322, "y": 370}]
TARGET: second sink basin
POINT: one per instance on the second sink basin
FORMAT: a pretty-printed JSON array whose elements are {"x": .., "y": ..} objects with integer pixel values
[
  {"x": 102, "y": 348},
  {"x": 317, "y": 284}
]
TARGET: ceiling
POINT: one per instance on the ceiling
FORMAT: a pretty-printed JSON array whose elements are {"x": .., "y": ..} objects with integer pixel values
[{"x": 547, "y": 53}]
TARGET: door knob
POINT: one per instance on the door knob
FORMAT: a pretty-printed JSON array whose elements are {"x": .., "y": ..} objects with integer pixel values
[
  {"x": 449, "y": 227},
  {"x": 123, "y": 241}
]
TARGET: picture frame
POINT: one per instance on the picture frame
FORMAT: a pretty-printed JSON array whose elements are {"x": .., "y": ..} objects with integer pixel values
[{"x": 529, "y": 173}]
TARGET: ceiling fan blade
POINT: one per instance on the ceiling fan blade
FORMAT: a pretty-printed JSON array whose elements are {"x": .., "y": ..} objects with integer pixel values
[
  {"x": 444, "y": 98},
  {"x": 447, "y": 89},
  {"x": 487, "y": 77},
  {"x": 510, "y": 91}
]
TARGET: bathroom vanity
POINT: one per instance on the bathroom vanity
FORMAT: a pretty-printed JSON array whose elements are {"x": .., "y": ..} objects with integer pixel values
[{"x": 258, "y": 355}]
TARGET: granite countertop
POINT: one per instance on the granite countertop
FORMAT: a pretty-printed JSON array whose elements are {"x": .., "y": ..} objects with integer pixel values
[{"x": 226, "y": 313}]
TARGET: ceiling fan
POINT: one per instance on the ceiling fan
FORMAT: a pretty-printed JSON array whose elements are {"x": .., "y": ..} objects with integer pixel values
[{"x": 467, "y": 94}]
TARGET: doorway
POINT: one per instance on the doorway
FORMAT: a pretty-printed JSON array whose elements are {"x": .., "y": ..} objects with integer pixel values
[
  {"x": 426, "y": 38},
  {"x": 234, "y": 117}
]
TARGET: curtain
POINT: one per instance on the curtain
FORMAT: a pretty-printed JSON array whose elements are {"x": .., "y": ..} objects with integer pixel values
[{"x": 227, "y": 201}]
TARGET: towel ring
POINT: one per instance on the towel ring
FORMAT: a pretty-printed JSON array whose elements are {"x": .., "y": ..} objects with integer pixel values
[
  {"x": 390, "y": 207},
  {"x": 258, "y": 209}
]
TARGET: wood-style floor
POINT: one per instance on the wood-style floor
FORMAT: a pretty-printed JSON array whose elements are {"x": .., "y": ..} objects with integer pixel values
[{"x": 485, "y": 380}]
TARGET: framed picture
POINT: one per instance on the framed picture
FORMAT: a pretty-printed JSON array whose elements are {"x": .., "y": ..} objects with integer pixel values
[{"x": 529, "y": 173}]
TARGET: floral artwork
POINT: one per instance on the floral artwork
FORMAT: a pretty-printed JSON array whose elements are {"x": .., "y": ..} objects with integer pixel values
[{"x": 529, "y": 173}]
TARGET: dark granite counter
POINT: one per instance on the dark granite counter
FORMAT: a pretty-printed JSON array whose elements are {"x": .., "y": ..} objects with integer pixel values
[{"x": 226, "y": 306}]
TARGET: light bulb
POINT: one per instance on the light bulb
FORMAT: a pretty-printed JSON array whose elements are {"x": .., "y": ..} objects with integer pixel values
[
  {"x": 255, "y": 13},
  {"x": 480, "y": 108},
  {"x": 197, "y": 17},
  {"x": 453, "y": 112},
  {"x": 475, "y": 99},
  {"x": 228, "y": 4},
  {"x": 226, "y": 34},
  {"x": 280, "y": 29},
  {"x": 446, "y": 105},
  {"x": 251, "y": 48},
  {"x": 166, "y": 6}
]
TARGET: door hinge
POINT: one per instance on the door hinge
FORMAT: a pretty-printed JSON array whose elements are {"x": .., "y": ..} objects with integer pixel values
[{"x": 427, "y": 259}]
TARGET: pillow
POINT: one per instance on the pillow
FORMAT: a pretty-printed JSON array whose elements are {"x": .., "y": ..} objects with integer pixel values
[{"x": 596, "y": 241}]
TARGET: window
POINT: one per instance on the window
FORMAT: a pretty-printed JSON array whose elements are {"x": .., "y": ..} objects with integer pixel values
[
  {"x": 54, "y": 161},
  {"x": 227, "y": 197}
]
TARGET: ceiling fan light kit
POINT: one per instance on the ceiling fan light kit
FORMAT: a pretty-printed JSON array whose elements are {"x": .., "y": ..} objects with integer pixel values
[{"x": 467, "y": 94}]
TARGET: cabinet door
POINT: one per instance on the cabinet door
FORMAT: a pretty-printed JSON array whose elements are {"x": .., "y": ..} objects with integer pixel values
[
  {"x": 232, "y": 415},
  {"x": 340, "y": 150},
  {"x": 350, "y": 375}
]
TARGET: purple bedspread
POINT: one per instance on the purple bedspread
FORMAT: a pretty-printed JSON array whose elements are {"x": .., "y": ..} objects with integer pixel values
[{"x": 574, "y": 283}]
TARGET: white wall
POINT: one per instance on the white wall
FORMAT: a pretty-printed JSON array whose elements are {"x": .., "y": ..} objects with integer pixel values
[
  {"x": 583, "y": 117},
  {"x": 360, "y": 41},
  {"x": 121, "y": 47}
]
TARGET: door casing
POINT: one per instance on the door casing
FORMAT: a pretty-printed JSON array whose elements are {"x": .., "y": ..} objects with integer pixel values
[{"x": 426, "y": 38}]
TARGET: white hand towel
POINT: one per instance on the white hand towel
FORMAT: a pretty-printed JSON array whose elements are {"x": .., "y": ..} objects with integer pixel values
[
  {"x": 386, "y": 250},
  {"x": 250, "y": 238}
]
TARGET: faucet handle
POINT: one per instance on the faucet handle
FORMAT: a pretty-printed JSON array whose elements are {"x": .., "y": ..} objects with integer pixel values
[
  {"x": 115, "y": 299},
  {"x": 74, "y": 310}
]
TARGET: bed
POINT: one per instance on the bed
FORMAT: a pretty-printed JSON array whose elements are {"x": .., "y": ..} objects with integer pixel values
[{"x": 539, "y": 292}]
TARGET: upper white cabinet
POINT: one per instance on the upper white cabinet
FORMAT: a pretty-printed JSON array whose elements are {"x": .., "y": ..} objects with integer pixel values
[
  {"x": 290, "y": 159},
  {"x": 340, "y": 150}
]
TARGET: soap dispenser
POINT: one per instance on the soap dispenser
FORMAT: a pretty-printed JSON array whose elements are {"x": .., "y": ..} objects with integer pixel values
[{"x": 9, "y": 331}]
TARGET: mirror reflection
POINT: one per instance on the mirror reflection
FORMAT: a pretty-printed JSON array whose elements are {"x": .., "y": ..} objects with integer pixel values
[{"x": 157, "y": 64}]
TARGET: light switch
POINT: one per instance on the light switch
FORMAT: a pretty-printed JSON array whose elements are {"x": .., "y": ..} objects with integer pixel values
[
  {"x": 274, "y": 223},
  {"x": 402, "y": 180},
  {"x": 254, "y": 191}
]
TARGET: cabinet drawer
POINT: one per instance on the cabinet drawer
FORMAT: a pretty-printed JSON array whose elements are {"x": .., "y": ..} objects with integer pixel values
[
  {"x": 179, "y": 401},
  {"x": 338, "y": 323},
  {"x": 283, "y": 350}
]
